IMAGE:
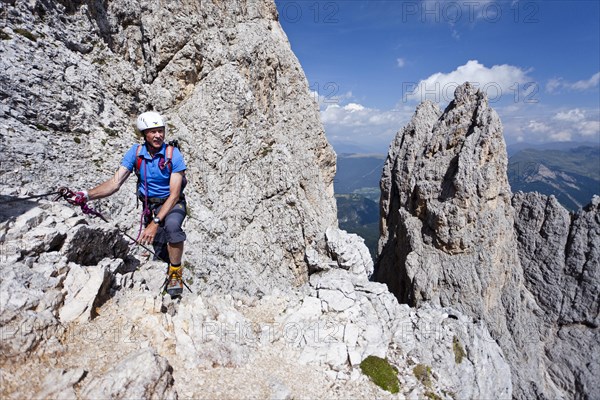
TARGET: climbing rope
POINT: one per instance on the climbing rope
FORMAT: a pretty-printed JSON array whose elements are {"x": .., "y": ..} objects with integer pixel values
[
  {"x": 29, "y": 198},
  {"x": 70, "y": 197}
]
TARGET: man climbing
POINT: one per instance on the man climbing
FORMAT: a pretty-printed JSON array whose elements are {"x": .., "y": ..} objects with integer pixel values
[{"x": 160, "y": 169}]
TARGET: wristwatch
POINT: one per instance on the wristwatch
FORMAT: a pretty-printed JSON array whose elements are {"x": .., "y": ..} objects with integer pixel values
[{"x": 156, "y": 220}]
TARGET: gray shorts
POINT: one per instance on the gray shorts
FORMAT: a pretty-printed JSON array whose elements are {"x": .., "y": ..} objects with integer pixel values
[
  {"x": 172, "y": 223},
  {"x": 169, "y": 230}
]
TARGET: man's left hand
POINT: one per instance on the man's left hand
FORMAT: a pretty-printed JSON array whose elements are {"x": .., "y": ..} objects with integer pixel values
[{"x": 149, "y": 233}]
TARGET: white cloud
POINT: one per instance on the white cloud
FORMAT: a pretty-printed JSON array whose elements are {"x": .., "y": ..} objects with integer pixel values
[
  {"x": 574, "y": 115},
  {"x": 555, "y": 84},
  {"x": 352, "y": 107},
  {"x": 353, "y": 115},
  {"x": 589, "y": 128},
  {"x": 495, "y": 81},
  {"x": 536, "y": 126},
  {"x": 587, "y": 84},
  {"x": 561, "y": 136},
  {"x": 400, "y": 62},
  {"x": 578, "y": 123},
  {"x": 539, "y": 123},
  {"x": 368, "y": 128}
]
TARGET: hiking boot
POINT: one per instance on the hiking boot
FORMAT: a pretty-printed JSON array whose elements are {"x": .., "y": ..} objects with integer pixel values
[{"x": 175, "y": 281}]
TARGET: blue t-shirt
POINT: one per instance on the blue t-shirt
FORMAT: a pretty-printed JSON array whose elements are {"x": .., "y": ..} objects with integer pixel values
[{"x": 158, "y": 178}]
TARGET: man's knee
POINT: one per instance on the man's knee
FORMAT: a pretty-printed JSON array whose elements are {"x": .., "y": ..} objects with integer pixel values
[
  {"x": 174, "y": 232},
  {"x": 172, "y": 225}
]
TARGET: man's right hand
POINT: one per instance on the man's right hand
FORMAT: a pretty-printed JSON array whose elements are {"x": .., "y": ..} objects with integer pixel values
[{"x": 81, "y": 197}]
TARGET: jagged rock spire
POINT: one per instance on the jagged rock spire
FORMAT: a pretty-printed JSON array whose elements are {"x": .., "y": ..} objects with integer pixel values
[{"x": 448, "y": 237}]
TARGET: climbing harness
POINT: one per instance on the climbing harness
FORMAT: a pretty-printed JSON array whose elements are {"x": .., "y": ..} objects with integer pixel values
[{"x": 165, "y": 162}]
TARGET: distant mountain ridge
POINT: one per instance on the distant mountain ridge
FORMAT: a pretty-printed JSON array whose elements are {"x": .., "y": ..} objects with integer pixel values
[
  {"x": 514, "y": 148},
  {"x": 569, "y": 171},
  {"x": 356, "y": 186},
  {"x": 571, "y": 175},
  {"x": 358, "y": 171}
]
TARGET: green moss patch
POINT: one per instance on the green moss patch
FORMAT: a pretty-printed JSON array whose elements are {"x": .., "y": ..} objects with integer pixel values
[
  {"x": 459, "y": 352},
  {"x": 423, "y": 373},
  {"x": 432, "y": 396},
  {"x": 381, "y": 373},
  {"x": 110, "y": 132}
]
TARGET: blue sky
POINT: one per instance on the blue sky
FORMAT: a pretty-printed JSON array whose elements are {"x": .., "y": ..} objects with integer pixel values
[{"x": 369, "y": 63}]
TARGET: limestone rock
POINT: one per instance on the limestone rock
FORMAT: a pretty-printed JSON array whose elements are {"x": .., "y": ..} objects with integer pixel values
[
  {"x": 560, "y": 254},
  {"x": 60, "y": 383},
  {"x": 339, "y": 249},
  {"x": 85, "y": 289},
  {"x": 542, "y": 226},
  {"x": 328, "y": 327},
  {"x": 349, "y": 251},
  {"x": 41, "y": 291},
  {"x": 260, "y": 171},
  {"x": 449, "y": 239},
  {"x": 356, "y": 318},
  {"x": 447, "y": 223},
  {"x": 144, "y": 374},
  {"x": 460, "y": 352},
  {"x": 89, "y": 245},
  {"x": 213, "y": 334},
  {"x": 453, "y": 189}
]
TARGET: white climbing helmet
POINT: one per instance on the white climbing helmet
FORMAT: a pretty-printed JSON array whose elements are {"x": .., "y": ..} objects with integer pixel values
[{"x": 150, "y": 119}]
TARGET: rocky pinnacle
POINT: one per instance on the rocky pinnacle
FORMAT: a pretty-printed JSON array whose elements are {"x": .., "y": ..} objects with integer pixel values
[{"x": 448, "y": 237}]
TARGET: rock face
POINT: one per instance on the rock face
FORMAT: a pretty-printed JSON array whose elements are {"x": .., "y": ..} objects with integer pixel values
[
  {"x": 41, "y": 288},
  {"x": 75, "y": 303},
  {"x": 448, "y": 237},
  {"x": 560, "y": 255},
  {"x": 76, "y": 74},
  {"x": 442, "y": 179}
]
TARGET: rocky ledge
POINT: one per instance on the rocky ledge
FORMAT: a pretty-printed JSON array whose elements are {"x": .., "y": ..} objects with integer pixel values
[{"x": 93, "y": 318}]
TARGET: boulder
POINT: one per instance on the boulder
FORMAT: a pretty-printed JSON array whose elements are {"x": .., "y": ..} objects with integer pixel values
[{"x": 143, "y": 374}]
